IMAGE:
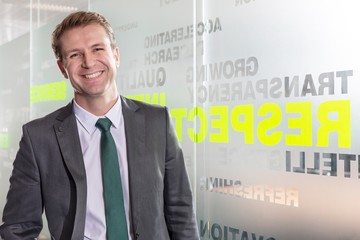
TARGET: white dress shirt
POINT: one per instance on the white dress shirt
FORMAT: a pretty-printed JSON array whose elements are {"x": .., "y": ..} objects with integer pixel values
[{"x": 95, "y": 223}]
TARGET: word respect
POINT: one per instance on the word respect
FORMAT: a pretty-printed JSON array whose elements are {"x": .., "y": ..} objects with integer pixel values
[{"x": 295, "y": 123}]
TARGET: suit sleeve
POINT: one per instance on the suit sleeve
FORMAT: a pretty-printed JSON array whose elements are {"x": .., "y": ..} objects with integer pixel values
[
  {"x": 179, "y": 211},
  {"x": 22, "y": 216}
]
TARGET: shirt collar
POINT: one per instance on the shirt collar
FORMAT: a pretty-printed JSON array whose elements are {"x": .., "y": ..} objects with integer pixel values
[{"x": 88, "y": 120}]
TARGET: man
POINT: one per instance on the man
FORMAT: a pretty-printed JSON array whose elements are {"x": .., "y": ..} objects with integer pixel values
[{"x": 59, "y": 163}]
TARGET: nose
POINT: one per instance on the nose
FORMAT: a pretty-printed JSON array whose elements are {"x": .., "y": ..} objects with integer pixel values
[{"x": 88, "y": 60}]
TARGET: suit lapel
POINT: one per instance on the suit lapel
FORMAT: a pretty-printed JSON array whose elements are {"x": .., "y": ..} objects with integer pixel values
[
  {"x": 135, "y": 143},
  {"x": 68, "y": 138}
]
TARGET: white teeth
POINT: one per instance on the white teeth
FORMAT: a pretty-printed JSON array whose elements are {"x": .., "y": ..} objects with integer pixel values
[{"x": 94, "y": 75}]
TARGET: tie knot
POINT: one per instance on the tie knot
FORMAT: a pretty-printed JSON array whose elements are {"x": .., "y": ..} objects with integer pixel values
[{"x": 104, "y": 124}]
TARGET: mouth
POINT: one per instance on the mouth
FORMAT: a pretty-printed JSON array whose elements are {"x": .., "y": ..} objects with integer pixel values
[{"x": 93, "y": 75}]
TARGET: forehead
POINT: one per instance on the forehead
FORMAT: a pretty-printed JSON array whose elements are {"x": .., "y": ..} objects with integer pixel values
[{"x": 84, "y": 36}]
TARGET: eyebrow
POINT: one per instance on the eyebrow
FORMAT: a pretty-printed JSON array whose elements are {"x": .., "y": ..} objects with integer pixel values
[{"x": 98, "y": 44}]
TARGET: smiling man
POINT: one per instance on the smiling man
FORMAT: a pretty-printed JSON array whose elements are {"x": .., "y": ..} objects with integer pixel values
[{"x": 102, "y": 167}]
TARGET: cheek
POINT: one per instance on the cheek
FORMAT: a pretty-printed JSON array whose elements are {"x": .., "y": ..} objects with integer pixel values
[
  {"x": 113, "y": 65},
  {"x": 72, "y": 70},
  {"x": 110, "y": 61}
]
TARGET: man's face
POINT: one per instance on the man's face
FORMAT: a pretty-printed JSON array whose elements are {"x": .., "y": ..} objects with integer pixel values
[{"x": 89, "y": 61}]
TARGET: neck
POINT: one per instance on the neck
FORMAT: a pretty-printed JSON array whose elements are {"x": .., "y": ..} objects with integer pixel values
[{"x": 98, "y": 106}]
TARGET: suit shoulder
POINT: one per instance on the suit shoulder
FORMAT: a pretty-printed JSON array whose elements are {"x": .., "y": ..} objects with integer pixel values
[
  {"x": 144, "y": 105},
  {"x": 48, "y": 119}
]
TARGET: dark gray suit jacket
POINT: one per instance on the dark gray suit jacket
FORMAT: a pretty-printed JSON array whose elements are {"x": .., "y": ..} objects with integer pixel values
[{"x": 49, "y": 174}]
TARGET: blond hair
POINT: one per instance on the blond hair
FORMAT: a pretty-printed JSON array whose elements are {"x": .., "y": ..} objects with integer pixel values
[{"x": 80, "y": 19}]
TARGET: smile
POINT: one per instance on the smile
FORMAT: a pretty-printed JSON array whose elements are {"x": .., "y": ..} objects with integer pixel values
[{"x": 94, "y": 75}]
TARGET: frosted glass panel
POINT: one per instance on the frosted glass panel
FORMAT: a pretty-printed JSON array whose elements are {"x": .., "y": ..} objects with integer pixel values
[{"x": 263, "y": 96}]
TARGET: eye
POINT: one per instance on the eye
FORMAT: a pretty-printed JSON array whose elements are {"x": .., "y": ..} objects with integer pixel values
[
  {"x": 99, "y": 49},
  {"x": 74, "y": 55}
]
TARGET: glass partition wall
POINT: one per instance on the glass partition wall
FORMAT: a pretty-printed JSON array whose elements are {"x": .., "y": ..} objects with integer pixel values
[{"x": 263, "y": 96}]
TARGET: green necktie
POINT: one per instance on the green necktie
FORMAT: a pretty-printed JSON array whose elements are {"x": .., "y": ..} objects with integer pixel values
[{"x": 116, "y": 227}]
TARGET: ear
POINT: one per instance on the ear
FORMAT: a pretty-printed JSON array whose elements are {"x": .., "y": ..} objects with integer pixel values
[
  {"x": 62, "y": 68},
  {"x": 117, "y": 56}
]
